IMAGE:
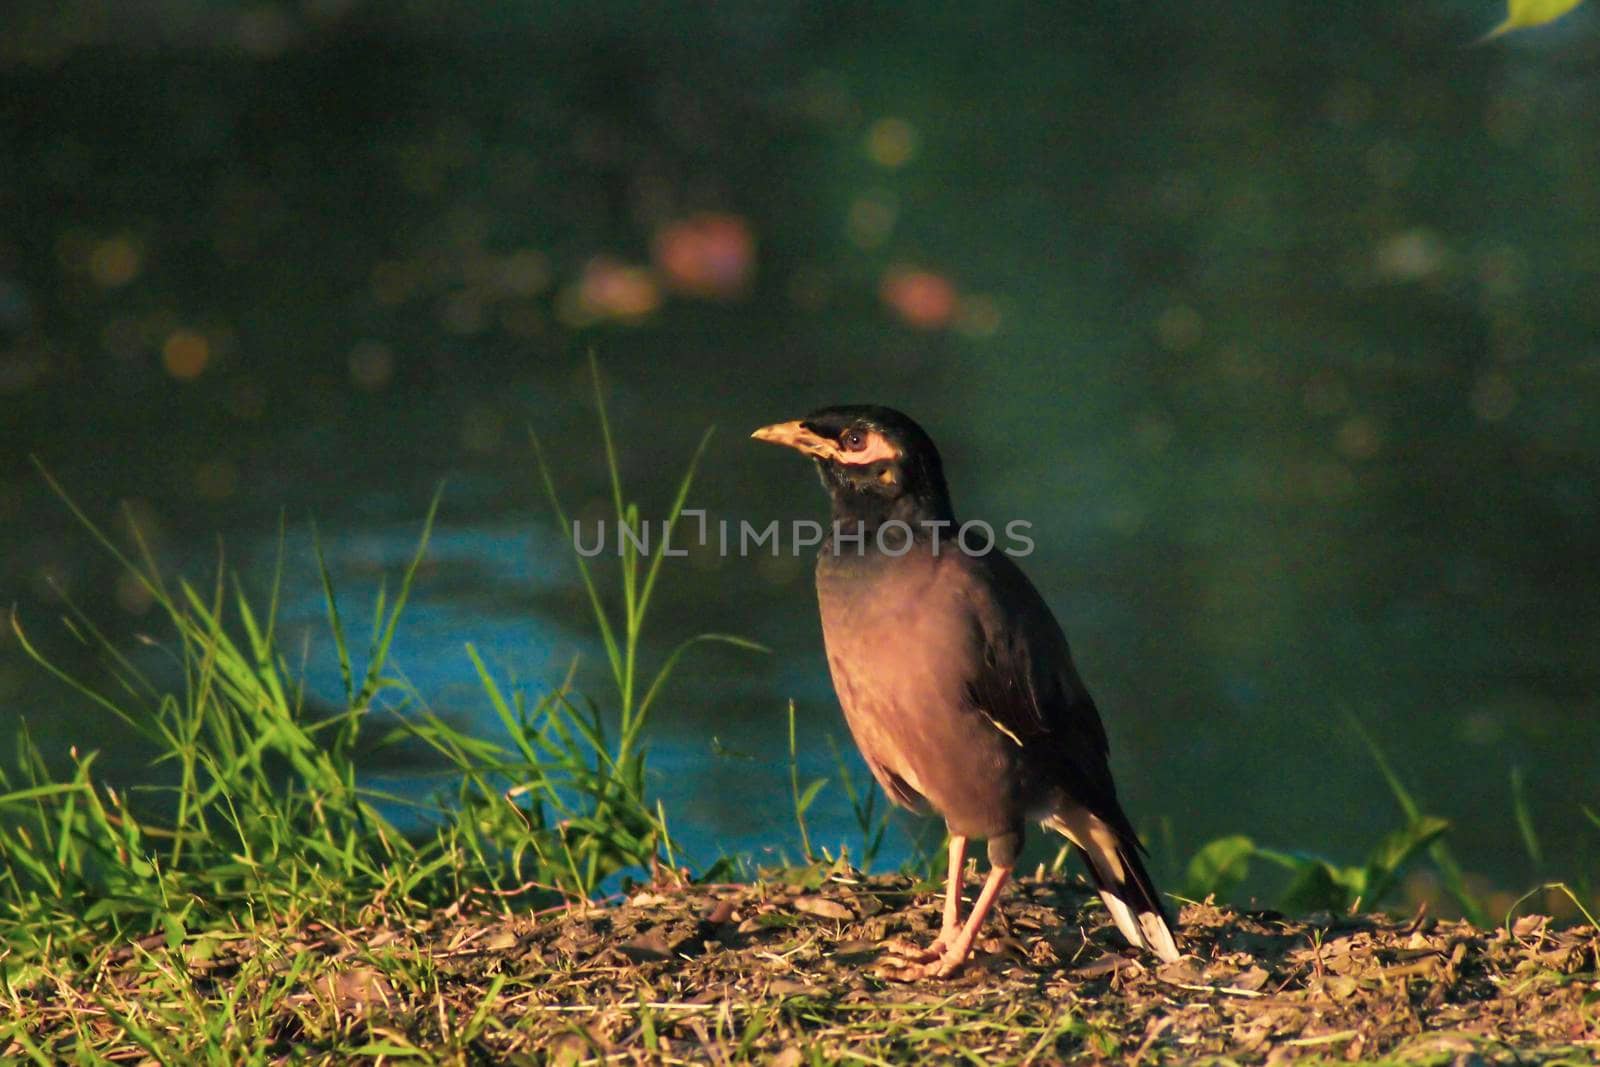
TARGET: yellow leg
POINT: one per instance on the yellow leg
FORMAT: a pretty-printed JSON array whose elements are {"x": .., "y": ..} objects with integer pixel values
[
  {"x": 950, "y": 928},
  {"x": 956, "y": 952},
  {"x": 952, "y": 891}
]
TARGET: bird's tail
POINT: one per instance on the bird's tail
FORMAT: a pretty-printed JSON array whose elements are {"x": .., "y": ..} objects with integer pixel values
[{"x": 1124, "y": 884}]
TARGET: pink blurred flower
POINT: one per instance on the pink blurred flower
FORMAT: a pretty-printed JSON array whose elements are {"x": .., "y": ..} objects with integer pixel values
[
  {"x": 613, "y": 289},
  {"x": 921, "y": 298},
  {"x": 707, "y": 255}
]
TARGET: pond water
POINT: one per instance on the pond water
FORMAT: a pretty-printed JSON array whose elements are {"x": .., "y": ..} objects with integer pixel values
[{"x": 1283, "y": 336}]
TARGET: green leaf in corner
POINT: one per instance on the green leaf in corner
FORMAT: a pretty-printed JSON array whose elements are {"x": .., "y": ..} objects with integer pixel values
[
  {"x": 1317, "y": 885},
  {"x": 1320, "y": 886},
  {"x": 1218, "y": 867},
  {"x": 1395, "y": 851},
  {"x": 1521, "y": 14}
]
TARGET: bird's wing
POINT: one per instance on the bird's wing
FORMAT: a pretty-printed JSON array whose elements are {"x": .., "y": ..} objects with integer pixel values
[{"x": 1025, "y": 682}]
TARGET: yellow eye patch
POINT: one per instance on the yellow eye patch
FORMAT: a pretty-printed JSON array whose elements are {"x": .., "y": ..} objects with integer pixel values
[{"x": 877, "y": 448}]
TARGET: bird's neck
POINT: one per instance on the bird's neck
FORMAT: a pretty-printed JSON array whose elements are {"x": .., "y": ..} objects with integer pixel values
[{"x": 869, "y": 512}]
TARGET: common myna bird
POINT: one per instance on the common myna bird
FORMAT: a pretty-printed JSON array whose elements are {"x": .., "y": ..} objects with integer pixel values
[{"x": 956, "y": 680}]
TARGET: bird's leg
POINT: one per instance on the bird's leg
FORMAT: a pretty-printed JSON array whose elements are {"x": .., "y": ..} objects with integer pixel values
[
  {"x": 950, "y": 928},
  {"x": 961, "y": 947},
  {"x": 955, "y": 955}
]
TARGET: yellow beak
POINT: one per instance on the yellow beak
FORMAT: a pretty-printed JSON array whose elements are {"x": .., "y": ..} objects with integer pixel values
[{"x": 794, "y": 435}]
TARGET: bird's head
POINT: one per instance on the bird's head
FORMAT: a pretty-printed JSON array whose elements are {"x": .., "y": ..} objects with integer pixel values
[{"x": 876, "y": 463}]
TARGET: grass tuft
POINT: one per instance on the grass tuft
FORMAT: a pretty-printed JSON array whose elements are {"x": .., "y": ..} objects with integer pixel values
[{"x": 255, "y": 814}]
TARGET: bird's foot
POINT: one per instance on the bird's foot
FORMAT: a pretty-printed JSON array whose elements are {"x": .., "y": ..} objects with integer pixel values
[
  {"x": 907, "y": 962},
  {"x": 901, "y": 970},
  {"x": 906, "y": 951}
]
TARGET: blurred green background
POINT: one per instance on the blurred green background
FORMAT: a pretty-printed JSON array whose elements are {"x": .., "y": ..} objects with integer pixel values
[{"x": 1280, "y": 322}]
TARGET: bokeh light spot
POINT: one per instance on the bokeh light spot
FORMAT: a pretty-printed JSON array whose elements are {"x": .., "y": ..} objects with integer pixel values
[
  {"x": 709, "y": 255},
  {"x": 921, "y": 298},
  {"x": 1410, "y": 255},
  {"x": 371, "y": 365},
  {"x": 611, "y": 289},
  {"x": 185, "y": 354},
  {"x": 1359, "y": 437},
  {"x": 891, "y": 142},
  {"x": 114, "y": 263},
  {"x": 133, "y": 595}
]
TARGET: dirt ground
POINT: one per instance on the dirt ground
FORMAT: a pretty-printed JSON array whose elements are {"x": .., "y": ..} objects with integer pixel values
[{"x": 784, "y": 974}]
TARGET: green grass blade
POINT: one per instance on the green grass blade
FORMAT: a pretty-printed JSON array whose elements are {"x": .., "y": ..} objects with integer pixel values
[
  {"x": 612, "y": 466},
  {"x": 665, "y": 671},
  {"x": 1454, "y": 880},
  {"x": 795, "y": 792},
  {"x": 602, "y": 620},
  {"x": 76, "y": 686},
  {"x": 380, "y": 652},
  {"x": 671, "y": 521},
  {"x": 498, "y": 702},
  {"x": 1519, "y": 806},
  {"x": 335, "y": 623}
]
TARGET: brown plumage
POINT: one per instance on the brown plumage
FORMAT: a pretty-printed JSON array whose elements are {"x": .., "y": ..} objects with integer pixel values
[{"x": 956, "y": 680}]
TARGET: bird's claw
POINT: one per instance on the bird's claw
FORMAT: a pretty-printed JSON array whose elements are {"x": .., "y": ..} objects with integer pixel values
[
  {"x": 909, "y": 952},
  {"x": 898, "y": 970},
  {"x": 907, "y": 962}
]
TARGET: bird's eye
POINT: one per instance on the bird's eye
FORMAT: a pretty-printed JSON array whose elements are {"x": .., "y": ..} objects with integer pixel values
[{"x": 854, "y": 441}]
